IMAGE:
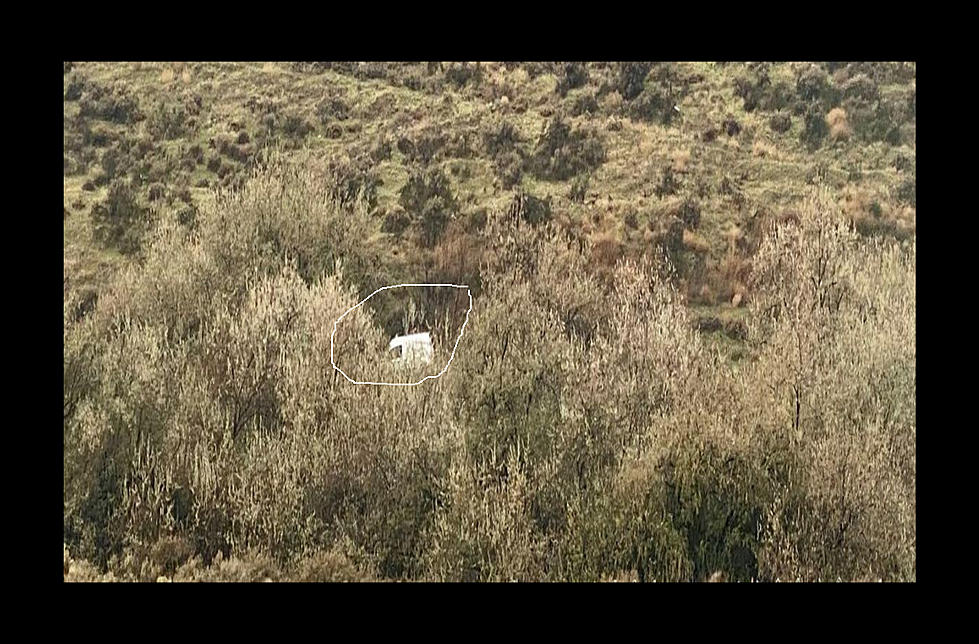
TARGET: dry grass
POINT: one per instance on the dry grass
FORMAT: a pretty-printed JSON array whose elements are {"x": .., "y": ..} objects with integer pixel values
[
  {"x": 695, "y": 242},
  {"x": 681, "y": 159},
  {"x": 763, "y": 149}
]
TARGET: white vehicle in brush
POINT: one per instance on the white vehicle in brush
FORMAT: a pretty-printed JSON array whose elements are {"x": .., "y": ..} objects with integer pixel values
[{"x": 412, "y": 350}]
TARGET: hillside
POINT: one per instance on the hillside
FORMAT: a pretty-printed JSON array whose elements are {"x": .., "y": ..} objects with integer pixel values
[{"x": 650, "y": 247}]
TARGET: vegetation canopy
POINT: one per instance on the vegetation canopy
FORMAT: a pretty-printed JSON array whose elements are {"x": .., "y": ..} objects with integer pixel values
[{"x": 690, "y": 356}]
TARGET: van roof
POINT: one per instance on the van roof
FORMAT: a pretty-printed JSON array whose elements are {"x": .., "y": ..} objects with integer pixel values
[{"x": 414, "y": 338}]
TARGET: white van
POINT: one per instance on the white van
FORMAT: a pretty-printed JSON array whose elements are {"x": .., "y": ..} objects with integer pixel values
[{"x": 411, "y": 350}]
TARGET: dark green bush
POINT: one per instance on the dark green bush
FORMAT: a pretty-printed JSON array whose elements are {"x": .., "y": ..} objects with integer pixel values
[
  {"x": 720, "y": 523},
  {"x": 562, "y": 153},
  {"x": 815, "y": 129},
  {"x": 578, "y": 190},
  {"x": 536, "y": 210},
  {"x": 653, "y": 104},
  {"x": 354, "y": 179},
  {"x": 881, "y": 73},
  {"x": 669, "y": 183},
  {"x": 860, "y": 88},
  {"x": 631, "y": 78},
  {"x": 780, "y": 123},
  {"x": 880, "y": 119},
  {"x": 115, "y": 162},
  {"x": 585, "y": 104},
  {"x": 395, "y": 222},
  {"x": 75, "y": 87},
  {"x": 428, "y": 200},
  {"x": 477, "y": 220},
  {"x": 295, "y": 126},
  {"x": 187, "y": 216},
  {"x": 757, "y": 91},
  {"x": 574, "y": 75},
  {"x": 120, "y": 221},
  {"x": 815, "y": 90},
  {"x": 426, "y": 146},
  {"x": 906, "y": 192},
  {"x": 168, "y": 121},
  {"x": 104, "y": 104},
  {"x": 690, "y": 213},
  {"x": 501, "y": 139},
  {"x": 381, "y": 150},
  {"x": 332, "y": 109},
  {"x": 509, "y": 168},
  {"x": 461, "y": 74}
]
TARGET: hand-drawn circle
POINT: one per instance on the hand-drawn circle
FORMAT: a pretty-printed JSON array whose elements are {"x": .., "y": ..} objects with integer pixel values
[{"x": 401, "y": 384}]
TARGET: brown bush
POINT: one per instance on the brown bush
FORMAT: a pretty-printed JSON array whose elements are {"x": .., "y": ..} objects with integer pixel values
[{"x": 839, "y": 127}]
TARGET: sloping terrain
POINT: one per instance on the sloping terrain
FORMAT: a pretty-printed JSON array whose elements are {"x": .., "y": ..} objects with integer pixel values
[
  {"x": 691, "y": 349},
  {"x": 690, "y": 159}
]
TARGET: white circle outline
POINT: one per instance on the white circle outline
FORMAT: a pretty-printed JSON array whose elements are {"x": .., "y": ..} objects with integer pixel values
[{"x": 401, "y": 384}]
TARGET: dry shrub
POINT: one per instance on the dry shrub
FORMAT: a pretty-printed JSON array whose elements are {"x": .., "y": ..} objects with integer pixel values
[
  {"x": 169, "y": 553},
  {"x": 606, "y": 249},
  {"x": 583, "y": 430},
  {"x": 623, "y": 576},
  {"x": 83, "y": 571},
  {"x": 167, "y": 76},
  {"x": 611, "y": 103},
  {"x": 193, "y": 330},
  {"x": 873, "y": 214},
  {"x": 857, "y": 201},
  {"x": 333, "y": 565},
  {"x": 458, "y": 256},
  {"x": 487, "y": 532},
  {"x": 250, "y": 567},
  {"x": 839, "y": 323},
  {"x": 839, "y": 127}
]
